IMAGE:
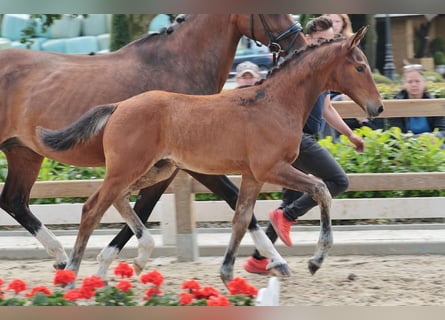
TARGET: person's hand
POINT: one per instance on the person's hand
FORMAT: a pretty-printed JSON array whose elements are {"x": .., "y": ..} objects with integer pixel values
[{"x": 358, "y": 142}]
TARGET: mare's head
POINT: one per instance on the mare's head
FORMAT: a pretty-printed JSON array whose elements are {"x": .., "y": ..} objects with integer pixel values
[
  {"x": 278, "y": 31},
  {"x": 353, "y": 76}
]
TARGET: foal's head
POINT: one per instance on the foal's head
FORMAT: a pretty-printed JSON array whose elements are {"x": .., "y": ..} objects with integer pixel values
[{"x": 353, "y": 76}]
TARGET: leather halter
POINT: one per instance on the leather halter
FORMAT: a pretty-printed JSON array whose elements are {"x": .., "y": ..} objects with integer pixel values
[{"x": 273, "y": 44}]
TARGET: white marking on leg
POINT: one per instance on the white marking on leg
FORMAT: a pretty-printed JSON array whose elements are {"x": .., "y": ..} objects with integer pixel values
[
  {"x": 105, "y": 258},
  {"x": 266, "y": 248},
  {"x": 145, "y": 247},
  {"x": 52, "y": 245}
]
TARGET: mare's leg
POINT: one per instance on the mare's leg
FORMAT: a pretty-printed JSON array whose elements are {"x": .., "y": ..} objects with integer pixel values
[
  {"x": 249, "y": 191},
  {"x": 163, "y": 170},
  {"x": 224, "y": 188},
  {"x": 23, "y": 168},
  {"x": 287, "y": 176}
]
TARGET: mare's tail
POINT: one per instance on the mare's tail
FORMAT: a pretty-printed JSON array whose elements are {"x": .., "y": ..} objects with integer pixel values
[{"x": 80, "y": 131}]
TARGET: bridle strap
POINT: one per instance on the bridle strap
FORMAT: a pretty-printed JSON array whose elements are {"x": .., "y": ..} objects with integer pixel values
[{"x": 273, "y": 44}]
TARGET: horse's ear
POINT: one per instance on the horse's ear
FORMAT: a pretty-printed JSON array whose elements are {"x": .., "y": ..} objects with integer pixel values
[{"x": 355, "y": 39}]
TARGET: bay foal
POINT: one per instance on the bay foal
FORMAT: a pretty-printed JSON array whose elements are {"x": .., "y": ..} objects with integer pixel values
[{"x": 254, "y": 131}]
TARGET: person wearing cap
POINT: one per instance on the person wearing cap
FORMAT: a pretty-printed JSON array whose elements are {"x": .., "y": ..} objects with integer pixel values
[
  {"x": 247, "y": 73},
  {"x": 414, "y": 87}
]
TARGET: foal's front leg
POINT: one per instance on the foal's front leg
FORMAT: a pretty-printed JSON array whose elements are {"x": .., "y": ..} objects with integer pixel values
[
  {"x": 287, "y": 176},
  {"x": 249, "y": 191}
]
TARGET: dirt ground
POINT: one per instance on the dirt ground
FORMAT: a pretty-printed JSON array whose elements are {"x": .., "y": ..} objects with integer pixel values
[{"x": 343, "y": 281}]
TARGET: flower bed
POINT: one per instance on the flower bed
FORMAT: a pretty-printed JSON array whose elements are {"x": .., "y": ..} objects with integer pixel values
[{"x": 94, "y": 291}]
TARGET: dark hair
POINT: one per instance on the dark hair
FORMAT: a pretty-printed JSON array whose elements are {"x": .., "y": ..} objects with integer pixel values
[{"x": 318, "y": 24}]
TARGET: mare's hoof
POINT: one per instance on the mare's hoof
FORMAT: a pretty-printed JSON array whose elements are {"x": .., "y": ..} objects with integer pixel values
[
  {"x": 281, "y": 270},
  {"x": 313, "y": 266},
  {"x": 60, "y": 265}
]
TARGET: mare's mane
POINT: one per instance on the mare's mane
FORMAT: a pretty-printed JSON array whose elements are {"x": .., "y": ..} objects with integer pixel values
[{"x": 164, "y": 31}]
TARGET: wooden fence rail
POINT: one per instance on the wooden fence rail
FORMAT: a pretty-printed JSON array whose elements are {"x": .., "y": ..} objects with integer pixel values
[{"x": 179, "y": 228}]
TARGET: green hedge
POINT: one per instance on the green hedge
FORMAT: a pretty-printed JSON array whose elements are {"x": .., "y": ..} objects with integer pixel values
[{"x": 389, "y": 151}]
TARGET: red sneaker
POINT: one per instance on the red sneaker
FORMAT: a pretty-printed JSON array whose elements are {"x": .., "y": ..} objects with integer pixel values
[
  {"x": 281, "y": 225},
  {"x": 253, "y": 265}
]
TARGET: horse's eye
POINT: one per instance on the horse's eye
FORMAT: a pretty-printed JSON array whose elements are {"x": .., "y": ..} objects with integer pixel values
[{"x": 360, "y": 68}]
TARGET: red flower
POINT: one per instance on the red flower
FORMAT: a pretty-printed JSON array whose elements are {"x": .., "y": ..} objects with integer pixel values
[
  {"x": 191, "y": 285},
  {"x": 185, "y": 298},
  {"x": 123, "y": 270},
  {"x": 218, "y": 301},
  {"x": 64, "y": 277},
  {"x": 93, "y": 282},
  {"x": 206, "y": 293},
  {"x": 43, "y": 289},
  {"x": 72, "y": 295},
  {"x": 152, "y": 292},
  {"x": 124, "y": 285},
  {"x": 86, "y": 292},
  {"x": 154, "y": 277},
  {"x": 16, "y": 285},
  {"x": 240, "y": 286},
  {"x": 1, "y": 282}
]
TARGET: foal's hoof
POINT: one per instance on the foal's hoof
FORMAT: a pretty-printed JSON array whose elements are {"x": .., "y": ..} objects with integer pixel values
[
  {"x": 137, "y": 268},
  {"x": 60, "y": 265},
  {"x": 313, "y": 266},
  {"x": 226, "y": 275},
  {"x": 280, "y": 270}
]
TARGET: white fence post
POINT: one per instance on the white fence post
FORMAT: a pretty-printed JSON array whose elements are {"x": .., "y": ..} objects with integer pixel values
[{"x": 186, "y": 237}]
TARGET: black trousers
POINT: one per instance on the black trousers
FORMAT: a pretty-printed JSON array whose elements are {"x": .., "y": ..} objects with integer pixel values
[{"x": 313, "y": 159}]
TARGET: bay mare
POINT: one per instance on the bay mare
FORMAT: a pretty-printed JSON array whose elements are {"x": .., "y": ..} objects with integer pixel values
[
  {"x": 52, "y": 90},
  {"x": 255, "y": 131}
]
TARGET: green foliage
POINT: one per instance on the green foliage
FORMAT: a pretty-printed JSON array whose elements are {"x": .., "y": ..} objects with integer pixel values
[
  {"x": 55, "y": 299},
  {"x": 120, "y": 31},
  {"x": 437, "y": 44},
  {"x": 389, "y": 151},
  {"x": 111, "y": 296},
  {"x": 439, "y": 57},
  {"x": 379, "y": 78}
]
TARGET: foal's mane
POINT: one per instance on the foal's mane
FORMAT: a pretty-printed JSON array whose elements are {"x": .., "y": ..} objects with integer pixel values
[{"x": 299, "y": 52}]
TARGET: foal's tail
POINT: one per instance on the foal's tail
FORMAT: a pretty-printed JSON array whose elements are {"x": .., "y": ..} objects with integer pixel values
[{"x": 79, "y": 131}]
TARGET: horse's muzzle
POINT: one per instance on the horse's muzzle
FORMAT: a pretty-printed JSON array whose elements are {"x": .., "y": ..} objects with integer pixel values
[{"x": 374, "y": 111}]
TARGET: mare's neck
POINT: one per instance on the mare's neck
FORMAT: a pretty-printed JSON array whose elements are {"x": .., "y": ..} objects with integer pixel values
[{"x": 201, "y": 49}]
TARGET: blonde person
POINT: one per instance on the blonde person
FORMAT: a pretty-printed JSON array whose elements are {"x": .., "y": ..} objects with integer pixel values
[
  {"x": 414, "y": 87},
  {"x": 341, "y": 23}
]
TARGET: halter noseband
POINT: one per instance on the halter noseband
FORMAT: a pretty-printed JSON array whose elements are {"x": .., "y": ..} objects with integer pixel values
[{"x": 273, "y": 44}]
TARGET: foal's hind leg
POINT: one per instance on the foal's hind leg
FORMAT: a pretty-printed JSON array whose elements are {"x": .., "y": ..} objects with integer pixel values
[
  {"x": 23, "y": 168},
  {"x": 146, "y": 241},
  {"x": 287, "y": 176},
  {"x": 164, "y": 170},
  {"x": 249, "y": 191}
]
